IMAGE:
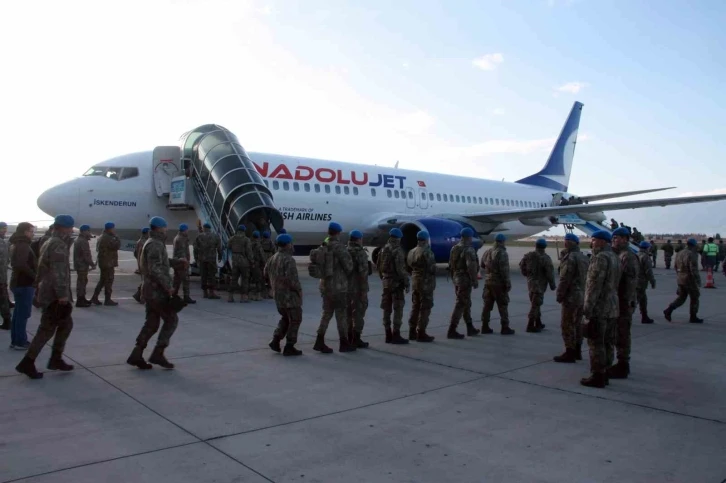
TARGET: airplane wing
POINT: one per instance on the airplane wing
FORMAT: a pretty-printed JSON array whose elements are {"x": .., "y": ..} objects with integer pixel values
[
  {"x": 609, "y": 196},
  {"x": 511, "y": 215}
]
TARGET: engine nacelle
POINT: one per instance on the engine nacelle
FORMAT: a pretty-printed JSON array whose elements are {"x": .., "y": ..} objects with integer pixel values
[{"x": 444, "y": 235}]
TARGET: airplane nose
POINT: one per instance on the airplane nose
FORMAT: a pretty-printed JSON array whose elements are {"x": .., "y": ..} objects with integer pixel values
[{"x": 61, "y": 199}]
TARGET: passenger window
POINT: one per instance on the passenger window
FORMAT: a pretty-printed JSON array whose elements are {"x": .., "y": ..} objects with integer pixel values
[
  {"x": 480, "y": 202},
  {"x": 389, "y": 193},
  {"x": 423, "y": 196},
  {"x": 129, "y": 173},
  {"x": 410, "y": 195},
  {"x": 468, "y": 199},
  {"x": 296, "y": 186},
  {"x": 446, "y": 198},
  {"x": 457, "y": 198},
  {"x": 267, "y": 183},
  {"x": 327, "y": 188},
  {"x": 403, "y": 194},
  {"x": 317, "y": 188},
  {"x": 431, "y": 197},
  {"x": 396, "y": 194},
  {"x": 275, "y": 185},
  {"x": 346, "y": 190},
  {"x": 307, "y": 187},
  {"x": 355, "y": 190},
  {"x": 373, "y": 192},
  {"x": 497, "y": 200},
  {"x": 438, "y": 196},
  {"x": 337, "y": 190},
  {"x": 286, "y": 186}
]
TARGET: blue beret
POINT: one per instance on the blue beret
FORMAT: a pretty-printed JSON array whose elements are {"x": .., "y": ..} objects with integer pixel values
[
  {"x": 157, "y": 222},
  {"x": 242, "y": 228},
  {"x": 145, "y": 229},
  {"x": 541, "y": 242},
  {"x": 64, "y": 221},
  {"x": 692, "y": 242},
  {"x": 109, "y": 225},
  {"x": 423, "y": 235},
  {"x": 333, "y": 226},
  {"x": 207, "y": 225},
  {"x": 644, "y": 244},
  {"x": 81, "y": 228},
  {"x": 500, "y": 237},
  {"x": 572, "y": 237},
  {"x": 282, "y": 231},
  {"x": 396, "y": 233},
  {"x": 621, "y": 232},
  {"x": 255, "y": 234},
  {"x": 466, "y": 232},
  {"x": 3, "y": 224},
  {"x": 183, "y": 227},
  {"x": 602, "y": 235},
  {"x": 265, "y": 234},
  {"x": 355, "y": 235},
  {"x": 283, "y": 239}
]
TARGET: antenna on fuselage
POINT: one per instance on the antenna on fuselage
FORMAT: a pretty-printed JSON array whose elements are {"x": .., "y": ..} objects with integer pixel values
[{"x": 396, "y": 166}]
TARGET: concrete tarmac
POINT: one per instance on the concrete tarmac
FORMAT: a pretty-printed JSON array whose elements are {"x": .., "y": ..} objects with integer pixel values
[{"x": 487, "y": 408}]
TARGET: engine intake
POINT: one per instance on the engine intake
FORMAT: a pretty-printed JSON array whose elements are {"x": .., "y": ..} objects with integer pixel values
[{"x": 444, "y": 234}]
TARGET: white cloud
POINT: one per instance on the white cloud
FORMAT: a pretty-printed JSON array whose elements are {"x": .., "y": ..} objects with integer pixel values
[
  {"x": 499, "y": 111},
  {"x": 571, "y": 87},
  {"x": 488, "y": 61}
]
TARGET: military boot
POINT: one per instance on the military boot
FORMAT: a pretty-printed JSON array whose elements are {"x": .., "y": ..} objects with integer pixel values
[
  {"x": 137, "y": 359},
  {"x": 275, "y": 344},
  {"x": 320, "y": 345},
  {"x": 6, "y": 324},
  {"x": 619, "y": 370},
  {"x": 485, "y": 329},
  {"x": 539, "y": 323},
  {"x": 94, "y": 300},
  {"x": 667, "y": 313},
  {"x": 506, "y": 330},
  {"x": 345, "y": 345},
  {"x": 56, "y": 362},
  {"x": 389, "y": 335},
  {"x": 137, "y": 295},
  {"x": 27, "y": 367},
  {"x": 109, "y": 303},
  {"x": 189, "y": 300},
  {"x": 595, "y": 380},
  {"x": 412, "y": 333},
  {"x": 646, "y": 320},
  {"x": 230, "y": 298},
  {"x": 695, "y": 320},
  {"x": 567, "y": 356},
  {"x": 82, "y": 302},
  {"x": 397, "y": 339},
  {"x": 245, "y": 299},
  {"x": 158, "y": 358},
  {"x": 471, "y": 331},
  {"x": 424, "y": 337},
  {"x": 453, "y": 334},
  {"x": 358, "y": 342},
  {"x": 290, "y": 350},
  {"x": 532, "y": 326}
]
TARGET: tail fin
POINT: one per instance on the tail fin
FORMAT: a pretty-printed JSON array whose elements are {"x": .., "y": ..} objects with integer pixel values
[{"x": 556, "y": 173}]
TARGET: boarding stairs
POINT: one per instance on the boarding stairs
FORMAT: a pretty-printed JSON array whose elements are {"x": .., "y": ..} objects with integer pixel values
[{"x": 571, "y": 222}]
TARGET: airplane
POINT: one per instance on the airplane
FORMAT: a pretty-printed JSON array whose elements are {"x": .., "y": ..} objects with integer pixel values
[{"x": 305, "y": 194}]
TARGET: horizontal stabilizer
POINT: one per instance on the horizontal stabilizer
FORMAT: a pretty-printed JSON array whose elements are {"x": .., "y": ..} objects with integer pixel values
[{"x": 622, "y": 194}]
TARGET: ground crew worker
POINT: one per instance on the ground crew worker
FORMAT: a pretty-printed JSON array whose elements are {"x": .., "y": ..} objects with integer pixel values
[
  {"x": 334, "y": 291},
  {"x": 645, "y": 277},
  {"x": 497, "y": 285},
  {"x": 181, "y": 273},
  {"x": 55, "y": 297},
  {"x": 392, "y": 270},
  {"x": 242, "y": 259},
  {"x": 257, "y": 267},
  {"x": 668, "y": 251},
  {"x": 463, "y": 268},
  {"x": 689, "y": 282},
  {"x": 710, "y": 251},
  {"x": 158, "y": 290},
  {"x": 137, "y": 255},
  {"x": 601, "y": 305},
  {"x": 537, "y": 267},
  {"x": 281, "y": 271},
  {"x": 268, "y": 248},
  {"x": 653, "y": 252},
  {"x": 571, "y": 294},
  {"x": 4, "y": 265},
  {"x": 422, "y": 263},
  {"x": 107, "y": 247},
  {"x": 82, "y": 263},
  {"x": 207, "y": 250},
  {"x": 357, "y": 289}
]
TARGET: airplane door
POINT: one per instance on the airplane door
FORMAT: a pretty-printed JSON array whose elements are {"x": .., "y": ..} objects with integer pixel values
[
  {"x": 167, "y": 165},
  {"x": 410, "y": 199},
  {"x": 424, "y": 195}
]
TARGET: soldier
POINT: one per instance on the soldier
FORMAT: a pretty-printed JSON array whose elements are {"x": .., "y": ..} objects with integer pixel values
[
  {"x": 38, "y": 244},
  {"x": 24, "y": 264},
  {"x": 82, "y": 262},
  {"x": 357, "y": 289},
  {"x": 107, "y": 258},
  {"x": 679, "y": 246},
  {"x": 268, "y": 248},
  {"x": 137, "y": 255},
  {"x": 281, "y": 271},
  {"x": 422, "y": 264},
  {"x": 537, "y": 267},
  {"x": 464, "y": 268},
  {"x": 689, "y": 282},
  {"x": 256, "y": 268},
  {"x": 571, "y": 294},
  {"x": 601, "y": 305},
  {"x": 158, "y": 290},
  {"x": 55, "y": 298},
  {"x": 242, "y": 260},
  {"x": 619, "y": 336},
  {"x": 653, "y": 251},
  {"x": 334, "y": 290},
  {"x": 207, "y": 250},
  {"x": 667, "y": 254},
  {"x": 497, "y": 285},
  {"x": 4, "y": 262},
  {"x": 645, "y": 276},
  {"x": 181, "y": 273},
  {"x": 392, "y": 270},
  {"x": 613, "y": 224}
]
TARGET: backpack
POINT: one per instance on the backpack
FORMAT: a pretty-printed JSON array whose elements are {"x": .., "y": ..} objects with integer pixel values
[{"x": 321, "y": 262}]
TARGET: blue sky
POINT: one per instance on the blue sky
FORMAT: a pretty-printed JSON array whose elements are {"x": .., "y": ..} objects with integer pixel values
[{"x": 466, "y": 87}]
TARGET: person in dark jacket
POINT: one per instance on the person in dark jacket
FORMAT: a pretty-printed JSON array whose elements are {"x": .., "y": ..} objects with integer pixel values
[{"x": 24, "y": 265}]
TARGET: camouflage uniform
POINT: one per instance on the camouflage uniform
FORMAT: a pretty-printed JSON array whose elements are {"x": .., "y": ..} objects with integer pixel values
[
  {"x": 653, "y": 253},
  {"x": 537, "y": 267},
  {"x": 645, "y": 277},
  {"x": 207, "y": 248},
  {"x": 422, "y": 263},
  {"x": 4, "y": 299},
  {"x": 181, "y": 273},
  {"x": 601, "y": 304},
  {"x": 497, "y": 285},
  {"x": 464, "y": 268},
  {"x": 242, "y": 260},
  {"x": 82, "y": 263},
  {"x": 689, "y": 283},
  {"x": 54, "y": 282},
  {"x": 357, "y": 290},
  {"x": 619, "y": 335},
  {"x": 137, "y": 255},
  {"x": 667, "y": 254},
  {"x": 334, "y": 289},
  {"x": 268, "y": 248},
  {"x": 256, "y": 268},
  {"x": 571, "y": 294},
  {"x": 281, "y": 271},
  {"x": 392, "y": 270},
  {"x": 107, "y": 259}
]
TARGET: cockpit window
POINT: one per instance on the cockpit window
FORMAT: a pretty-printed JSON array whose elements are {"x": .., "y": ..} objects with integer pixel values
[
  {"x": 96, "y": 171},
  {"x": 129, "y": 173},
  {"x": 116, "y": 174}
]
